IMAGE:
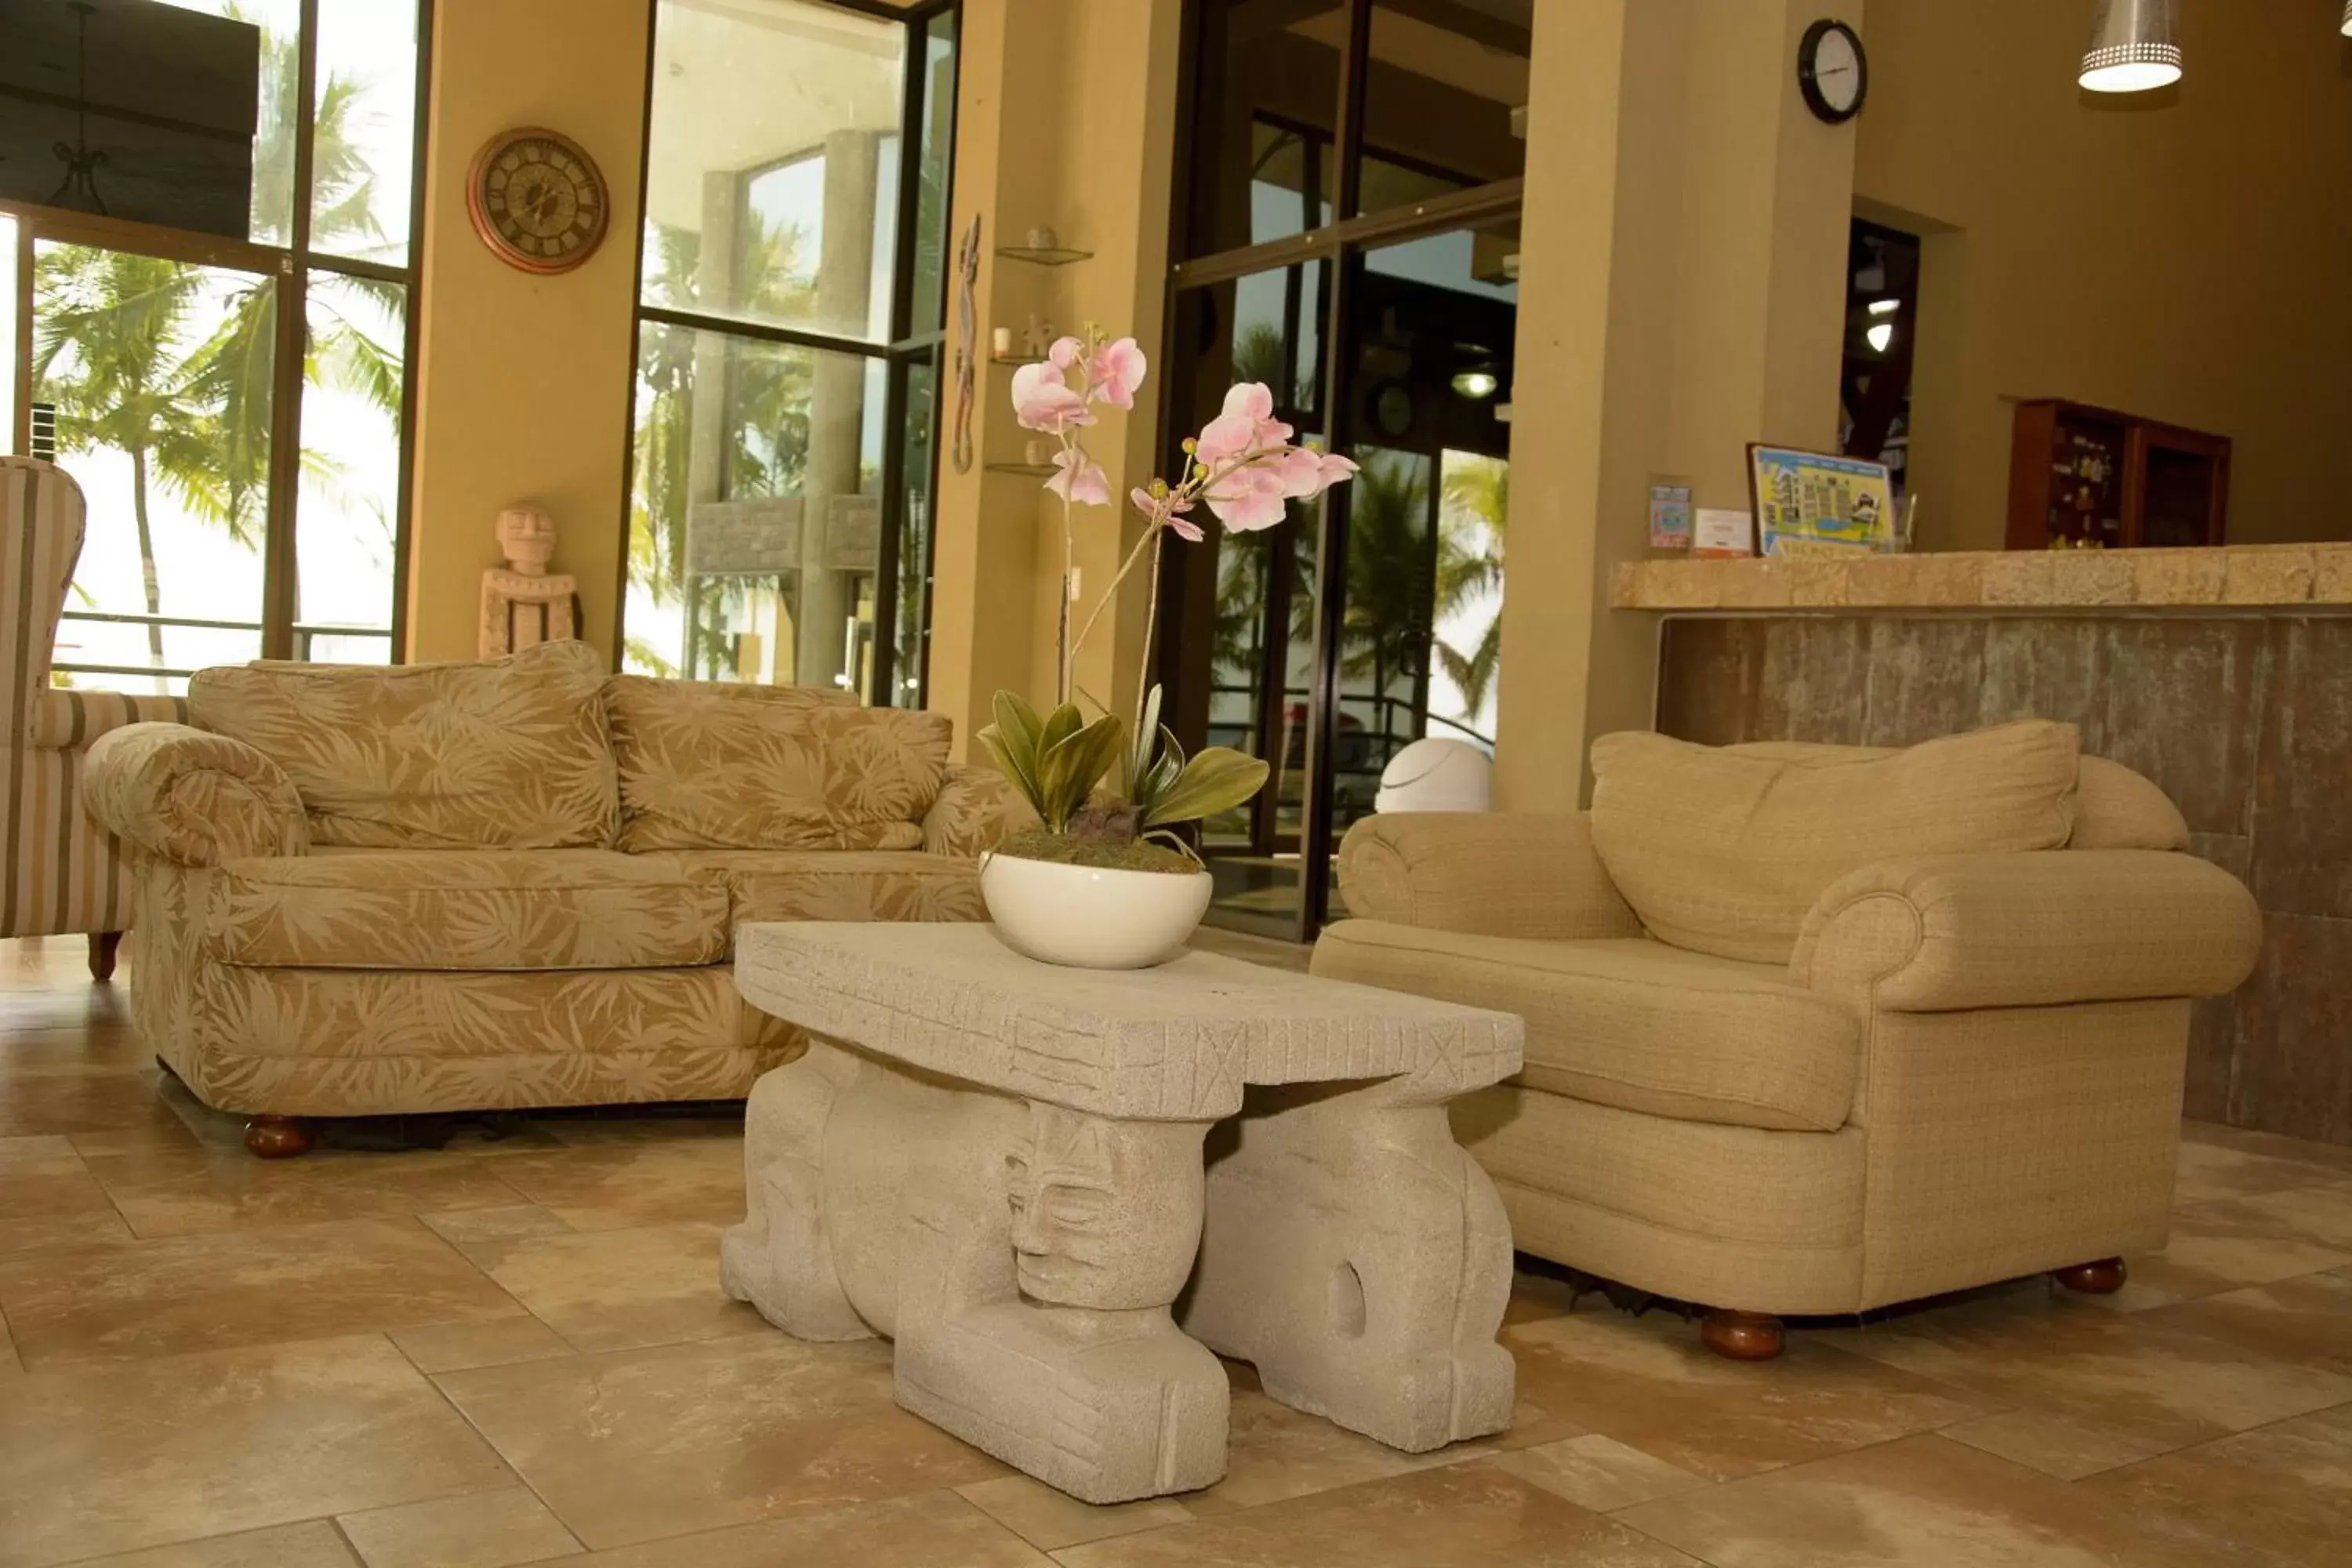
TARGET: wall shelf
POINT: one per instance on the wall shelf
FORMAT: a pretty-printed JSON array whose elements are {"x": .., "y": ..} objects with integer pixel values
[
  {"x": 1033, "y": 471},
  {"x": 1050, "y": 256}
]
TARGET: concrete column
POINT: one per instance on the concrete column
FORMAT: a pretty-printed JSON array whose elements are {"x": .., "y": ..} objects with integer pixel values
[
  {"x": 837, "y": 400},
  {"x": 1682, "y": 294}
]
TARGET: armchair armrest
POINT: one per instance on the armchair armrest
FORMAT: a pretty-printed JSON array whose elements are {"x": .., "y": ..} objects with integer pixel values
[
  {"x": 1482, "y": 874},
  {"x": 192, "y": 797},
  {"x": 1944, "y": 932},
  {"x": 977, "y": 809}
]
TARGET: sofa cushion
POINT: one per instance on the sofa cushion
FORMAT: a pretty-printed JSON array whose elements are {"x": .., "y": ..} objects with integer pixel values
[
  {"x": 497, "y": 909},
  {"x": 505, "y": 753},
  {"x": 839, "y": 884},
  {"x": 708, "y": 765},
  {"x": 1631, "y": 1023},
  {"x": 1724, "y": 850}
]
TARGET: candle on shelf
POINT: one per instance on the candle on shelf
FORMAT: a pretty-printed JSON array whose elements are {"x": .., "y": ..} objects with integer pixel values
[{"x": 1000, "y": 342}]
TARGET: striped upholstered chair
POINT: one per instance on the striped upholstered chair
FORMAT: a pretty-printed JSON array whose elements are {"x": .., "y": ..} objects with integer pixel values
[{"x": 59, "y": 871}]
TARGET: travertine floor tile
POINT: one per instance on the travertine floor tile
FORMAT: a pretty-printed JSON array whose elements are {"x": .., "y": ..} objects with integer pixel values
[
  {"x": 1599, "y": 1473},
  {"x": 2121, "y": 1373},
  {"x": 615, "y": 1290},
  {"x": 2279, "y": 1494},
  {"x": 1921, "y": 1502},
  {"x": 50, "y": 1233},
  {"x": 97, "y": 1099},
  {"x": 190, "y": 1194},
  {"x": 510, "y": 1222},
  {"x": 2306, "y": 1320},
  {"x": 52, "y": 1186},
  {"x": 2229, "y": 1242},
  {"x": 122, "y": 1300},
  {"x": 112, "y": 1459},
  {"x": 927, "y": 1529},
  {"x": 2210, "y": 1171},
  {"x": 632, "y": 1446},
  {"x": 9, "y": 1365},
  {"x": 1648, "y": 1381},
  {"x": 457, "y": 1347},
  {"x": 2333, "y": 1157},
  {"x": 314, "y": 1543},
  {"x": 623, "y": 1125},
  {"x": 35, "y": 1146},
  {"x": 1050, "y": 1520},
  {"x": 1471, "y": 1515},
  {"x": 2050, "y": 1444},
  {"x": 611, "y": 1185},
  {"x": 481, "y": 1530}
]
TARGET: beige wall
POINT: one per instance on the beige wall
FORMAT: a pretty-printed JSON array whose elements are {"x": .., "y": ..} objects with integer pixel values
[
  {"x": 1681, "y": 295},
  {"x": 1035, "y": 147},
  {"x": 2182, "y": 256},
  {"x": 523, "y": 382}
]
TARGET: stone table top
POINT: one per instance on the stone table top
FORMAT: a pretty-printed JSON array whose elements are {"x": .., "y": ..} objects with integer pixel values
[{"x": 1176, "y": 1042}]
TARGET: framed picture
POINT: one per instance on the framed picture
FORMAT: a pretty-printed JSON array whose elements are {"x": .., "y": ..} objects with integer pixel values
[{"x": 1807, "y": 503}]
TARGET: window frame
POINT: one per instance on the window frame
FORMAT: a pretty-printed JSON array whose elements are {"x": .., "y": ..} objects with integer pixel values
[
  {"x": 289, "y": 267},
  {"x": 899, "y": 351}
]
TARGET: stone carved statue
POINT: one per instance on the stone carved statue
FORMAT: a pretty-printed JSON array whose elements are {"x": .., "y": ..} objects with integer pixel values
[{"x": 523, "y": 603}]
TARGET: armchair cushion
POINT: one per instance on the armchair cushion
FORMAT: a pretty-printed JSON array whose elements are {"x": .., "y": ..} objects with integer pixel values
[
  {"x": 1631, "y": 1023},
  {"x": 977, "y": 809},
  {"x": 498, "y": 754},
  {"x": 473, "y": 909},
  {"x": 190, "y": 797},
  {"x": 839, "y": 884},
  {"x": 1939, "y": 932},
  {"x": 706, "y": 765},
  {"x": 1724, "y": 853},
  {"x": 1482, "y": 873}
]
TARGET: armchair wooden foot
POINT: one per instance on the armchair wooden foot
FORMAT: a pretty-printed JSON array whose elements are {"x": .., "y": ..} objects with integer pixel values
[
  {"x": 1741, "y": 1336},
  {"x": 103, "y": 945},
  {"x": 278, "y": 1137},
  {"x": 2104, "y": 1278}
]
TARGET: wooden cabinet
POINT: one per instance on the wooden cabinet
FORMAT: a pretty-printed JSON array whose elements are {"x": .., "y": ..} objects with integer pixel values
[{"x": 2076, "y": 473}]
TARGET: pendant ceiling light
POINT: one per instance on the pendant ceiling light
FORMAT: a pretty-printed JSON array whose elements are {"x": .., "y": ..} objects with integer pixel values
[{"x": 2135, "y": 46}]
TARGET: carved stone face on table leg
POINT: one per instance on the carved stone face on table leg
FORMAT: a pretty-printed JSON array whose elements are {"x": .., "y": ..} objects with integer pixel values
[{"x": 1105, "y": 1213}]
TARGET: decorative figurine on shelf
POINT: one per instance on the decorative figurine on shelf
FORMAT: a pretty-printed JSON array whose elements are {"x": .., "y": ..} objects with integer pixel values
[
  {"x": 1037, "y": 337},
  {"x": 524, "y": 605}
]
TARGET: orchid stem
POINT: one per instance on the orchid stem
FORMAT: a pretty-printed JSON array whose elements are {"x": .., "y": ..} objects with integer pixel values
[{"x": 1110, "y": 593}]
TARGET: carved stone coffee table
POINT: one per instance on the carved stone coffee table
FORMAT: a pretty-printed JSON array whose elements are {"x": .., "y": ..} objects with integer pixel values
[{"x": 1000, "y": 1164}]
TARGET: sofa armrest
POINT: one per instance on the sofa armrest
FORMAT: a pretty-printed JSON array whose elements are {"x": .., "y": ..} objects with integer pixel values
[
  {"x": 977, "y": 809},
  {"x": 1944, "y": 932},
  {"x": 1482, "y": 874},
  {"x": 192, "y": 797}
]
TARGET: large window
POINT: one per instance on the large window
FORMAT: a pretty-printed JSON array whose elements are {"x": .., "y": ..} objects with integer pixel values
[
  {"x": 209, "y": 235},
  {"x": 1348, "y": 235},
  {"x": 792, "y": 292}
]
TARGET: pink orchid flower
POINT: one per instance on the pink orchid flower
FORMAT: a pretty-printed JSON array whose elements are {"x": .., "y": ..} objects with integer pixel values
[
  {"x": 1169, "y": 511},
  {"x": 1117, "y": 370},
  {"x": 1248, "y": 498},
  {"x": 1065, "y": 352},
  {"x": 1041, "y": 402},
  {"x": 1079, "y": 479},
  {"x": 1247, "y": 423}
]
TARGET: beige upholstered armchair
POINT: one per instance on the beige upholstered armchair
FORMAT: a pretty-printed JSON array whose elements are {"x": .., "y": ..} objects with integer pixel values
[
  {"x": 1817, "y": 1029},
  {"x": 63, "y": 872}
]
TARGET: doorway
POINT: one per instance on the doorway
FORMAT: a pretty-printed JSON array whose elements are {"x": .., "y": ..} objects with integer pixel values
[{"x": 1348, "y": 222}]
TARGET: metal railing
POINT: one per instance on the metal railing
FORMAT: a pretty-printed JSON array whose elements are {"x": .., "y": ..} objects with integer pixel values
[{"x": 304, "y": 633}]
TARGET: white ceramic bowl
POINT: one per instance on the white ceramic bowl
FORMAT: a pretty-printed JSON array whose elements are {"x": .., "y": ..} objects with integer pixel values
[{"x": 1087, "y": 918}]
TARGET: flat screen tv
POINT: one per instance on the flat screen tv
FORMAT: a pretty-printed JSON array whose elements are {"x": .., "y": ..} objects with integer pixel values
[{"x": 130, "y": 108}]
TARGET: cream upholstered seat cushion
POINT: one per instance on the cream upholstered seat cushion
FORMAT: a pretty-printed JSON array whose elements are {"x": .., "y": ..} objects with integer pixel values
[
  {"x": 1631, "y": 1023},
  {"x": 839, "y": 884},
  {"x": 710, "y": 765},
  {"x": 1724, "y": 853},
  {"x": 505, "y": 753},
  {"x": 482, "y": 910}
]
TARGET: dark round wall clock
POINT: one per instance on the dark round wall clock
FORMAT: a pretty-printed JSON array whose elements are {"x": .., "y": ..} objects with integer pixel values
[
  {"x": 1832, "y": 72},
  {"x": 537, "y": 199}
]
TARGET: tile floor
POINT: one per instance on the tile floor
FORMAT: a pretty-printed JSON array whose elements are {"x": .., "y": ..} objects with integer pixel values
[{"x": 516, "y": 1351}]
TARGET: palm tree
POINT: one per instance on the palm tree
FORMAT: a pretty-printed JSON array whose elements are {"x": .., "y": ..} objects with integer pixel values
[{"x": 1477, "y": 504}]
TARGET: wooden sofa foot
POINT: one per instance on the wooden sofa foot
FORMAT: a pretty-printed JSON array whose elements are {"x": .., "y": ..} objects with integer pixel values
[
  {"x": 278, "y": 1137},
  {"x": 2104, "y": 1278},
  {"x": 103, "y": 945},
  {"x": 1741, "y": 1336}
]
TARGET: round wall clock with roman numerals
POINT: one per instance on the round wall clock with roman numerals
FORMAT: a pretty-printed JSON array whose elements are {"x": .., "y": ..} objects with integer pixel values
[{"x": 537, "y": 199}]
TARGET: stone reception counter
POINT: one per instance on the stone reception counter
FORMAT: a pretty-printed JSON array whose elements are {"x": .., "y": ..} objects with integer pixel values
[{"x": 2225, "y": 674}]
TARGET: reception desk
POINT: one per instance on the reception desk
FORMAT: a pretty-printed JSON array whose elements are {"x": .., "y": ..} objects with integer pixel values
[{"x": 2225, "y": 674}]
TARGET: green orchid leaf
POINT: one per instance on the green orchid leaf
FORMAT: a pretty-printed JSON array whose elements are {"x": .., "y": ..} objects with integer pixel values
[
  {"x": 1073, "y": 764},
  {"x": 1011, "y": 744},
  {"x": 1218, "y": 779},
  {"x": 1146, "y": 740}
]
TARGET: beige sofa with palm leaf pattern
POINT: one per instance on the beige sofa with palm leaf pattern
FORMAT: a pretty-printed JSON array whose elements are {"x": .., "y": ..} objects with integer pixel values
[{"x": 506, "y": 883}]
